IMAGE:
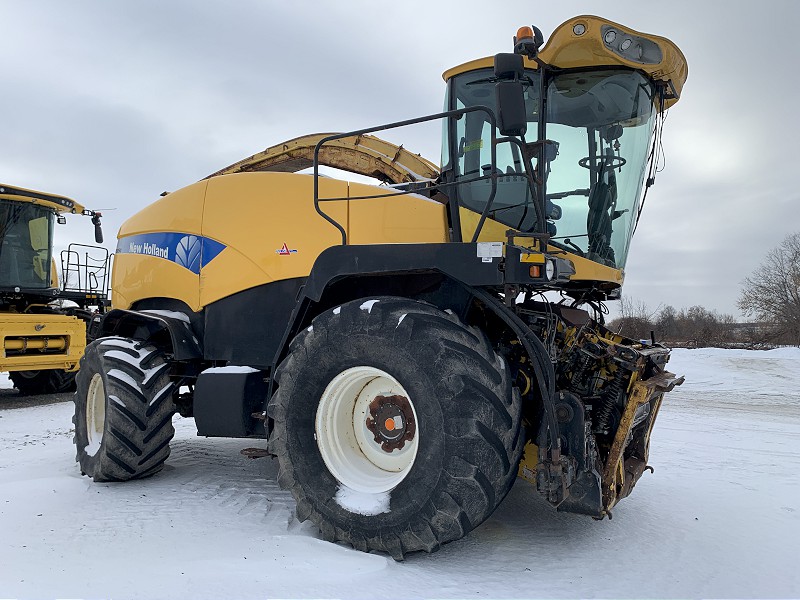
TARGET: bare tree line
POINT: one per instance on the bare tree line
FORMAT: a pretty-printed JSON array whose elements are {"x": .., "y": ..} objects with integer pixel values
[{"x": 770, "y": 298}]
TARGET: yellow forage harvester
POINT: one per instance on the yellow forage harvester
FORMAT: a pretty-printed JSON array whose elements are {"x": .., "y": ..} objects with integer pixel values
[{"x": 408, "y": 348}]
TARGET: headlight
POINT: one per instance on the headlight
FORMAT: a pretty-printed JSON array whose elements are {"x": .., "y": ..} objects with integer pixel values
[
  {"x": 549, "y": 269},
  {"x": 632, "y": 47}
]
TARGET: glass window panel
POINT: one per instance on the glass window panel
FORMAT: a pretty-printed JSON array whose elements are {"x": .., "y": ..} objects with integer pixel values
[{"x": 26, "y": 232}]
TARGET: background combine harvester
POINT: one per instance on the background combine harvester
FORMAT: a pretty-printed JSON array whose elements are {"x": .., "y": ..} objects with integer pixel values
[
  {"x": 43, "y": 325},
  {"x": 393, "y": 342}
]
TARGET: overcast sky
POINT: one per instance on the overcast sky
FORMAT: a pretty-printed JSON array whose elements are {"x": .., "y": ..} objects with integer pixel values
[{"x": 113, "y": 102}]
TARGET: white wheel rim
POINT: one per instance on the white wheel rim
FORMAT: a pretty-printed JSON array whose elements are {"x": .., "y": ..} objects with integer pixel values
[
  {"x": 95, "y": 414},
  {"x": 346, "y": 443}
]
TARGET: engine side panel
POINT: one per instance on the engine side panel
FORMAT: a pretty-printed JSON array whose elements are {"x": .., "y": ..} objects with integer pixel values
[
  {"x": 406, "y": 219},
  {"x": 269, "y": 221},
  {"x": 230, "y": 233}
]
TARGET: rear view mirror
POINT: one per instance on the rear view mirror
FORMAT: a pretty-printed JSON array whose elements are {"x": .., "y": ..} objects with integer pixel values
[
  {"x": 98, "y": 230},
  {"x": 511, "y": 108},
  {"x": 512, "y": 119}
]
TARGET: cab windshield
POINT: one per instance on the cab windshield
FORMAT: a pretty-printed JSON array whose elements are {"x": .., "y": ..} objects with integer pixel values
[
  {"x": 25, "y": 245},
  {"x": 598, "y": 134}
]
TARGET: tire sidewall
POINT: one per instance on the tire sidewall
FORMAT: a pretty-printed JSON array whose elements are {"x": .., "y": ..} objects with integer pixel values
[{"x": 91, "y": 364}]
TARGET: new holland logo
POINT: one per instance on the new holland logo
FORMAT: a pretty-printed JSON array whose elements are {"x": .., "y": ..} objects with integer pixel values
[{"x": 284, "y": 250}]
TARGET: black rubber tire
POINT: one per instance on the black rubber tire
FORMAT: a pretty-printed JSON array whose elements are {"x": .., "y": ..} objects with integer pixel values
[
  {"x": 468, "y": 413},
  {"x": 138, "y": 410},
  {"x": 51, "y": 381}
]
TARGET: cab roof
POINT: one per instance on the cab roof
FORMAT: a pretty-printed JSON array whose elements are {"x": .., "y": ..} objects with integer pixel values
[
  {"x": 57, "y": 203},
  {"x": 588, "y": 41}
]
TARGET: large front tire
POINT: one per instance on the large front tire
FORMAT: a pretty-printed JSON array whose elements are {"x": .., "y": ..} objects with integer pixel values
[
  {"x": 396, "y": 426},
  {"x": 123, "y": 410}
]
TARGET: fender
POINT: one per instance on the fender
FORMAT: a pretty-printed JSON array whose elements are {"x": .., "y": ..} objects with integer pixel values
[
  {"x": 150, "y": 326},
  {"x": 459, "y": 261}
]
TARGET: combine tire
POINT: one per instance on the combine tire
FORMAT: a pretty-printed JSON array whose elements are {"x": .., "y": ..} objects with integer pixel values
[
  {"x": 123, "y": 410},
  {"x": 33, "y": 383},
  {"x": 396, "y": 426}
]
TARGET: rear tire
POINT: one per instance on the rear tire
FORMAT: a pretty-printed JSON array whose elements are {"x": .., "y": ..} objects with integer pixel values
[
  {"x": 51, "y": 381},
  {"x": 123, "y": 410},
  {"x": 455, "y": 466}
]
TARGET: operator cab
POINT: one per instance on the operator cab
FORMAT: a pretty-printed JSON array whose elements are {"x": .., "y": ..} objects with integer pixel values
[
  {"x": 27, "y": 267},
  {"x": 582, "y": 160}
]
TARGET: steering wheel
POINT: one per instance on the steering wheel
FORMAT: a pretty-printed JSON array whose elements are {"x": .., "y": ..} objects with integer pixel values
[{"x": 608, "y": 162}]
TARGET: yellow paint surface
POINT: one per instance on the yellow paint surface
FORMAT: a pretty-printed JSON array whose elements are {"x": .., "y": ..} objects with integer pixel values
[
  {"x": 566, "y": 50},
  {"x": 254, "y": 215},
  {"x": 403, "y": 219},
  {"x": 65, "y": 331}
]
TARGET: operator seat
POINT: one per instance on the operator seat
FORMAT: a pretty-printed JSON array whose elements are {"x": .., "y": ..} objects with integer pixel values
[{"x": 599, "y": 222}]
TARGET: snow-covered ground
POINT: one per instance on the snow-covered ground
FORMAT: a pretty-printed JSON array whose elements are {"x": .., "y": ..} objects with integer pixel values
[{"x": 720, "y": 517}]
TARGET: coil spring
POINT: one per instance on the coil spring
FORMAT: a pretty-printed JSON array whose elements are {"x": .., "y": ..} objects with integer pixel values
[
  {"x": 609, "y": 399},
  {"x": 577, "y": 377}
]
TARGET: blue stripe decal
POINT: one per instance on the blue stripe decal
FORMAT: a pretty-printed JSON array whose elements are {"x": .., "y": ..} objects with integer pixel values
[{"x": 192, "y": 252}]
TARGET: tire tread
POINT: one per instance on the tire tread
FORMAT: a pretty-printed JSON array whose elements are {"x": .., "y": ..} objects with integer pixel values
[
  {"x": 487, "y": 454},
  {"x": 138, "y": 427}
]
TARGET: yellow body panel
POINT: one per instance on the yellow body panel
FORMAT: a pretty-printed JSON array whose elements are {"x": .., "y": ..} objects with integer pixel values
[
  {"x": 269, "y": 231},
  {"x": 254, "y": 215},
  {"x": 178, "y": 211},
  {"x": 566, "y": 50},
  {"x": 588, "y": 270},
  {"x": 136, "y": 277},
  {"x": 34, "y": 334},
  {"x": 232, "y": 271},
  {"x": 406, "y": 219},
  {"x": 533, "y": 257},
  {"x": 492, "y": 231}
]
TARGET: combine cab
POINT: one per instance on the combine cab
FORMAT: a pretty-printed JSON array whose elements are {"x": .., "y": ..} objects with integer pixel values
[
  {"x": 43, "y": 325},
  {"x": 408, "y": 349}
]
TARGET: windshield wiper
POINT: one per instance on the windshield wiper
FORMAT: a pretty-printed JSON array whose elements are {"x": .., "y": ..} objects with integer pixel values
[
  {"x": 526, "y": 80},
  {"x": 566, "y": 244},
  {"x": 560, "y": 195}
]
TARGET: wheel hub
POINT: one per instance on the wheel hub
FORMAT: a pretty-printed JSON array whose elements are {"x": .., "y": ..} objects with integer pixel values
[
  {"x": 366, "y": 430},
  {"x": 391, "y": 421}
]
